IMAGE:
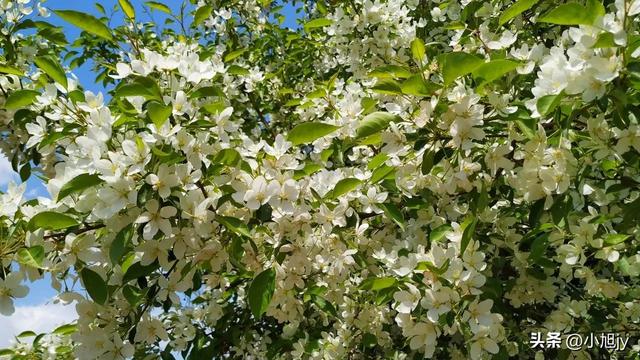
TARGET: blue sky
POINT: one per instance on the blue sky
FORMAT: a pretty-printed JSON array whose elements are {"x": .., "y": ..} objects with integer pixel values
[{"x": 37, "y": 311}]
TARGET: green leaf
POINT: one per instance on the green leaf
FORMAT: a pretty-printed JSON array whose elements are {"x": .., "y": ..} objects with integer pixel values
[
  {"x": 309, "y": 169},
  {"x": 369, "y": 340},
  {"x": 615, "y": 239},
  {"x": 316, "y": 23},
  {"x": 538, "y": 251},
  {"x": 6, "y": 69},
  {"x": 596, "y": 9},
  {"x": 51, "y": 138},
  {"x": 418, "y": 50},
  {"x": 202, "y": 14},
  {"x": 374, "y": 139},
  {"x": 427, "y": 265},
  {"x": 374, "y": 123},
  {"x": 324, "y": 305},
  {"x": 427, "y": 161},
  {"x": 416, "y": 85},
  {"x": 229, "y": 157},
  {"x": 234, "y": 54},
  {"x": 467, "y": 234},
  {"x": 481, "y": 201},
  {"x": 438, "y": 233},
  {"x": 206, "y": 92},
  {"x": 25, "y": 172},
  {"x": 548, "y": 103},
  {"x": 378, "y": 283},
  {"x": 50, "y": 220},
  {"x": 158, "y": 6},
  {"x": 605, "y": 40},
  {"x": 86, "y": 22},
  {"x": 36, "y": 342},
  {"x": 317, "y": 93},
  {"x": 381, "y": 173},
  {"x": 527, "y": 130},
  {"x": 234, "y": 224},
  {"x": 159, "y": 153},
  {"x": 237, "y": 70},
  {"x": 309, "y": 132},
  {"x": 20, "y": 98},
  {"x": 95, "y": 285},
  {"x": 79, "y": 184},
  {"x": 65, "y": 329},
  {"x": 516, "y": 9},
  {"x": 377, "y": 161},
  {"x": 456, "y": 64},
  {"x": 631, "y": 215},
  {"x": 388, "y": 87},
  {"x": 6, "y": 352},
  {"x": 133, "y": 90},
  {"x": 100, "y": 8},
  {"x": 574, "y": 14},
  {"x": 344, "y": 186},
  {"x": 493, "y": 70},
  {"x": 33, "y": 256},
  {"x": 141, "y": 86},
  {"x": 56, "y": 36},
  {"x": 128, "y": 9},
  {"x": 394, "y": 213},
  {"x": 261, "y": 292},
  {"x": 469, "y": 11},
  {"x": 214, "y": 108},
  {"x": 137, "y": 270},
  {"x": 120, "y": 244},
  {"x": 27, "y": 333},
  {"x": 159, "y": 113},
  {"x": 132, "y": 294},
  {"x": 391, "y": 71},
  {"x": 77, "y": 96}
]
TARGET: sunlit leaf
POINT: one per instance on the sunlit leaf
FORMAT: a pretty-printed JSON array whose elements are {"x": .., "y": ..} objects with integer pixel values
[
  {"x": 86, "y": 22},
  {"x": 158, "y": 6},
  {"x": 33, "y": 256},
  {"x": 456, "y": 64},
  {"x": 344, "y": 186},
  {"x": 309, "y": 132},
  {"x": 493, "y": 70},
  {"x": 316, "y": 23},
  {"x": 79, "y": 184},
  {"x": 374, "y": 123},
  {"x": 574, "y": 14},
  {"x": 20, "y": 99},
  {"x": 159, "y": 113},
  {"x": 516, "y": 9},
  {"x": 50, "y": 220},
  {"x": 6, "y": 69},
  {"x": 202, "y": 14},
  {"x": 418, "y": 50},
  {"x": 128, "y": 9},
  {"x": 235, "y": 225}
]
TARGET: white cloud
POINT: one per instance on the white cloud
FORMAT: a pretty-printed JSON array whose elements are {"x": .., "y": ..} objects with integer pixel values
[
  {"x": 6, "y": 172},
  {"x": 38, "y": 318}
]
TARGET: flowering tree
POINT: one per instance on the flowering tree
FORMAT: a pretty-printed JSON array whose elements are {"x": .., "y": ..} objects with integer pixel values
[{"x": 391, "y": 179}]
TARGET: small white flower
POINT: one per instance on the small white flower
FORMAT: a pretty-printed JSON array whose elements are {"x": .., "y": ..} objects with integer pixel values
[
  {"x": 163, "y": 181},
  {"x": 156, "y": 218},
  {"x": 11, "y": 288}
]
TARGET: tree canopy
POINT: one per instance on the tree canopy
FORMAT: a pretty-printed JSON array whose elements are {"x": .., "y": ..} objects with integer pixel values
[{"x": 386, "y": 180}]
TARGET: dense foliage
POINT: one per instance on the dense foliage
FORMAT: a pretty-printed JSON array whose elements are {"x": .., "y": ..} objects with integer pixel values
[{"x": 389, "y": 179}]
